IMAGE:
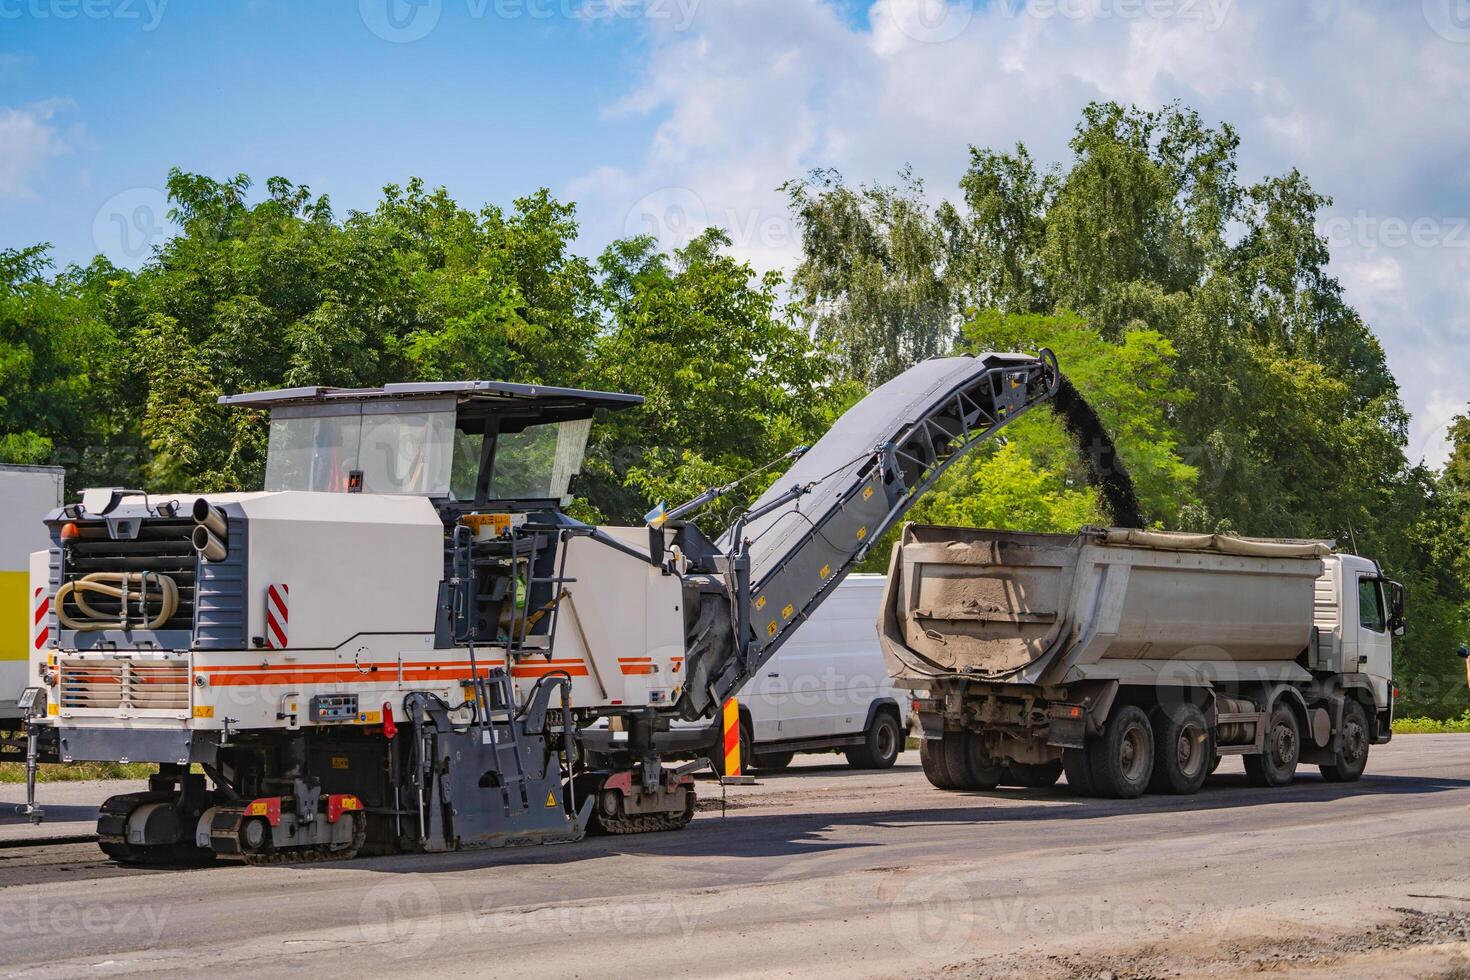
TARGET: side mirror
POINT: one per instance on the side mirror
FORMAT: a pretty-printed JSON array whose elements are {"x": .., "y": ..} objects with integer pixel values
[{"x": 1396, "y": 621}]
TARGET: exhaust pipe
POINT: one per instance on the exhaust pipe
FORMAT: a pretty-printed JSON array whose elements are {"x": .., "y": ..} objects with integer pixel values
[
  {"x": 211, "y": 547},
  {"x": 211, "y": 531}
]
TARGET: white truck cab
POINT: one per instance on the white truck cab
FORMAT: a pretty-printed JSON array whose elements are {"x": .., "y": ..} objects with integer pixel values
[{"x": 1357, "y": 612}]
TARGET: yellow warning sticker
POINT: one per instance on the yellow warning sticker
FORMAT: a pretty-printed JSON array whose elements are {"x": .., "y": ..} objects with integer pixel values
[
  {"x": 55, "y": 709},
  {"x": 770, "y": 631},
  {"x": 760, "y": 603},
  {"x": 868, "y": 492},
  {"x": 550, "y": 800},
  {"x": 786, "y": 613},
  {"x": 862, "y": 532},
  {"x": 341, "y": 762},
  {"x": 826, "y": 570},
  {"x": 203, "y": 711}
]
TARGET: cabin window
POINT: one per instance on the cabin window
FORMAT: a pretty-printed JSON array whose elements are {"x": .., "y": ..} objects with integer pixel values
[{"x": 1370, "y": 605}]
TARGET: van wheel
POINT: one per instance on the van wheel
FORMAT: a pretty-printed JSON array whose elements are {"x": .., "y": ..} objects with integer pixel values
[
  {"x": 1122, "y": 759},
  {"x": 747, "y": 752},
  {"x": 881, "y": 745},
  {"x": 773, "y": 761},
  {"x": 1184, "y": 749},
  {"x": 1276, "y": 763},
  {"x": 932, "y": 752},
  {"x": 1351, "y": 757},
  {"x": 1034, "y": 775}
]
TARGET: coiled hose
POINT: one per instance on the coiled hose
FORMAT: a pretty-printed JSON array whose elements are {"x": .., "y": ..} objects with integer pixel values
[{"x": 120, "y": 586}]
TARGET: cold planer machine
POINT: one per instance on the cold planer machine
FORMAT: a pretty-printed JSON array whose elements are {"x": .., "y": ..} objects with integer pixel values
[{"x": 403, "y": 643}]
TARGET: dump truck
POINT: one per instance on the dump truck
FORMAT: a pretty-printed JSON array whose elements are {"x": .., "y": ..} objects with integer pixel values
[
  {"x": 1133, "y": 660},
  {"x": 403, "y": 643}
]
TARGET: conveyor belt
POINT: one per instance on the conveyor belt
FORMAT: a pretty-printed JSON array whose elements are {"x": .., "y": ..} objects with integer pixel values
[{"x": 857, "y": 481}]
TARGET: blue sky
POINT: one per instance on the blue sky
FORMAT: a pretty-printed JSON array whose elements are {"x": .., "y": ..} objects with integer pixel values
[{"x": 667, "y": 115}]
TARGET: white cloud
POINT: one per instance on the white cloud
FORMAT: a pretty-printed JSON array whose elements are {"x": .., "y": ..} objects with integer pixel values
[
  {"x": 1368, "y": 102},
  {"x": 28, "y": 140}
]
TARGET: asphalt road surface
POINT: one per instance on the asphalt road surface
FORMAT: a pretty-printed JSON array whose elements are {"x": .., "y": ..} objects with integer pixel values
[{"x": 826, "y": 871}]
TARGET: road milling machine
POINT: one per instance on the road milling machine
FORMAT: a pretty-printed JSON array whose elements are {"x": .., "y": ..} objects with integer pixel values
[{"x": 403, "y": 643}]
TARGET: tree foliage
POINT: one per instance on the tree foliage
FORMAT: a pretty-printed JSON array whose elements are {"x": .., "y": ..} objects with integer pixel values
[{"x": 1194, "y": 309}]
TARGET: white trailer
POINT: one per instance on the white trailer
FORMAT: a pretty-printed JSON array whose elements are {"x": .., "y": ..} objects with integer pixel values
[
  {"x": 27, "y": 495},
  {"x": 1134, "y": 660}
]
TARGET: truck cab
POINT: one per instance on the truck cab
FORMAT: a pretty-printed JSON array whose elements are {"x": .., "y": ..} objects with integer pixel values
[{"x": 1356, "y": 614}]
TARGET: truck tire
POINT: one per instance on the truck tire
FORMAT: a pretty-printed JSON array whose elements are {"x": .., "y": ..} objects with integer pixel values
[
  {"x": 985, "y": 771},
  {"x": 1275, "y": 765},
  {"x": 957, "y": 760},
  {"x": 1033, "y": 775},
  {"x": 936, "y": 768},
  {"x": 1122, "y": 759},
  {"x": 1353, "y": 742},
  {"x": 881, "y": 744},
  {"x": 1079, "y": 771},
  {"x": 1184, "y": 749}
]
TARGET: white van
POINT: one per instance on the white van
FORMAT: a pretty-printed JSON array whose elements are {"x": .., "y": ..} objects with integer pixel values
[{"x": 827, "y": 689}]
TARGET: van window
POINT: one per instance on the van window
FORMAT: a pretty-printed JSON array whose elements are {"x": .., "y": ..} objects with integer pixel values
[{"x": 1370, "y": 605}]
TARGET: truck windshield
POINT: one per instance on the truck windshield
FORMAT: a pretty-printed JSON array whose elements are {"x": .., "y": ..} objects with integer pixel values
[{"x": 394, "y": 452}]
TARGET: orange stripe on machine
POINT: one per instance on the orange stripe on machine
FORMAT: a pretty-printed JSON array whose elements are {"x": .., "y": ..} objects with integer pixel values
[{"x": 632, "y": 666}]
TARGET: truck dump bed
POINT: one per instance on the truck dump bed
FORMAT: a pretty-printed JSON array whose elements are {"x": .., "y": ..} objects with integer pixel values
[{"x": 1103, "y": 604}]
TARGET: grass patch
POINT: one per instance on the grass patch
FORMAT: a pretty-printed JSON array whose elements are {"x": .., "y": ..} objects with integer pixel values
[
  {"x": 1432, "y": 726},
  {"x": 75, "y": 772}
]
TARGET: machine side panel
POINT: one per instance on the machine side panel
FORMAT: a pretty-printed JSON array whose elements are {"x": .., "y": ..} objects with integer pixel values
[{"x": 354, "y": 564}]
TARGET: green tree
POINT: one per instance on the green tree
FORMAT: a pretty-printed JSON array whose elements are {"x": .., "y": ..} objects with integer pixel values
[
  {"x": 60, "y": 366},
  {"x": 873, "y": 281},
  {"x": 729, "y": 383}
]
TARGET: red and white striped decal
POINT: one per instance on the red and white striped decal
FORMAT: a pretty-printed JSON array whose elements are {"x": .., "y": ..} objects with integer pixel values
[
  {"x": 41, "y": 627},
  {"x": 277, "y": 616}
]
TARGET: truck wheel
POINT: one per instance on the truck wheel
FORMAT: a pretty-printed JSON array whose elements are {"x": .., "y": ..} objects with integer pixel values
[
  {"x": 881, "y": 745},
  {"x": 1352, "y": 746},
  {"x": 1276, "y": 763},
  {"x": 985, "y": 771},
  {"x": 1034, "y": 775},
  {"x": 932, "y": 752},
  {"x": 1184, "y": 749},
  {"x": 773, "y": 761},
  {"x": 957, "y": 760},
  {"x": 1079, "y": 771},
  {"x": 1122, "y": 760}
]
